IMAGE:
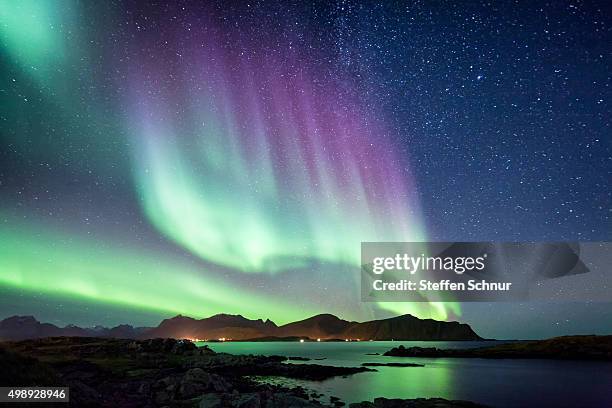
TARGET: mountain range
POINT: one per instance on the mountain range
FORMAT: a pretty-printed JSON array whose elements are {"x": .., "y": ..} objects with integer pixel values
[
  {"x": 27, "y": 327},
  {"x": 237, "y": 327}
]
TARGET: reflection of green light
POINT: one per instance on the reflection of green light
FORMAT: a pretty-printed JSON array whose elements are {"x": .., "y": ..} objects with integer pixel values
[
  {"x": 435, "y": 380},
  {"x": 72, "y": 267}
]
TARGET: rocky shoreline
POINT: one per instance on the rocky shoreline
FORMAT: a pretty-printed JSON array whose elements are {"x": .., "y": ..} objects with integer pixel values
[{"x": 171, "y": 373}]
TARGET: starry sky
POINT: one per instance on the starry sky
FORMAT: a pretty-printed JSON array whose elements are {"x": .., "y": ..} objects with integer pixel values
[{"x": 207, "y": 157}]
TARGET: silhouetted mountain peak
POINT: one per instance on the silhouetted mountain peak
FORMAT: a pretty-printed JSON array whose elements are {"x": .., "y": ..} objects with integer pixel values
[
  {"x": 269, "y": 322},
  {"x": 20, "y": 320},
  {"x": 180, "y": 317},
  {"x": 225, "y": 315},
  {"x": 325, "y": 316},
  {"x": 27, "y": 327}
]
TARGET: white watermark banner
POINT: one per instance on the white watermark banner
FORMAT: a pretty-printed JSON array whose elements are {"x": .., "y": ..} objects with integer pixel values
[{"x": 485, "y": 271}]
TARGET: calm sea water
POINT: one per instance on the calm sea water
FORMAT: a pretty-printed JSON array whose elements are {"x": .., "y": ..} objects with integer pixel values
[{"x": 498, "y": 383}]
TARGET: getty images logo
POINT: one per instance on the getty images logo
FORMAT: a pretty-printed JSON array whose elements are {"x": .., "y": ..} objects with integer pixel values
[{"x": 412, "y": 264}]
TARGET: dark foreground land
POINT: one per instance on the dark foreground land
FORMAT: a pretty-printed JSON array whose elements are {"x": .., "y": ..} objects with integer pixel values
[
  {"x": 172, "y": 373},
  {"x": 558, "y": 348}
]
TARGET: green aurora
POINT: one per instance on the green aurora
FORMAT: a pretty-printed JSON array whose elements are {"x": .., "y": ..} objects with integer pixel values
[{"x": 300, "y": 188}]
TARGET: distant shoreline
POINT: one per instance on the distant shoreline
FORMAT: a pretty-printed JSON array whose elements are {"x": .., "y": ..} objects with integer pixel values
[
  {"x": 286, "y": 340},
  {"x": 587, "y": 347}
]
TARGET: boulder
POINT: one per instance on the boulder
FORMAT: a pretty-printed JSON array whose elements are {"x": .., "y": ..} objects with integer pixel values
[{"x": 197, "y": 381}]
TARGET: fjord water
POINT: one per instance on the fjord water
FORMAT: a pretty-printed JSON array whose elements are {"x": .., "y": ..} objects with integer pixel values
[{"x": 497, "y": 383}]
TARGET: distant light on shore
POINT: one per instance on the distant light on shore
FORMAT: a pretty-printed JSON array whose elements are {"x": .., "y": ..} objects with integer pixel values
[{"x": 301, "y": 340}]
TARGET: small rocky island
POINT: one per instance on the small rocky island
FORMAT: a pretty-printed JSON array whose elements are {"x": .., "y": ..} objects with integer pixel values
[
  {"x": 559, "y": 348},
  {"x": 172, "y": 373}
]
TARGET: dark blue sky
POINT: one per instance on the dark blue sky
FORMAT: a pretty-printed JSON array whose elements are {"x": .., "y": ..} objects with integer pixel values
[{"x": 503, "y": 109}]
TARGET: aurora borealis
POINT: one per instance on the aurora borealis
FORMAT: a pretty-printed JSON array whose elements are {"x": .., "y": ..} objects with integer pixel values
[
  {"x": 294, "y": 170},
  {"x": 208, "y": 157}
]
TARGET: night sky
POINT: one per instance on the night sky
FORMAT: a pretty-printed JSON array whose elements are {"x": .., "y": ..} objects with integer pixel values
[{"x": 211, "y": 157}]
